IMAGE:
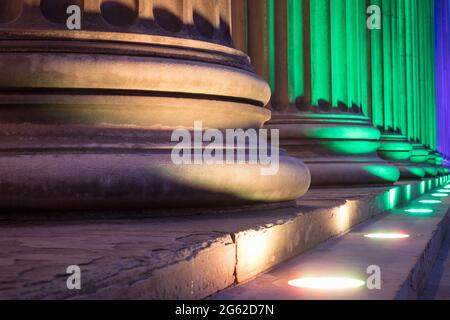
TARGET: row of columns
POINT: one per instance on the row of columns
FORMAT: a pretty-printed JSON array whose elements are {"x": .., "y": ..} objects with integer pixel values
[
  {"x": 403, "y": 86},
  {"x": 86, "y": 116},
  {"x": 403, "y": 70},
  {"x": 329, "y": 64}
]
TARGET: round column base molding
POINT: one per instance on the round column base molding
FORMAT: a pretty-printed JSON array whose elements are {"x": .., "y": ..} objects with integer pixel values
[
  {"x": 339, "y": 149},
  {"x": 419, "y": 153},
  {"x": 88, "y": 127},
  {"x": 398, "y": 150},
  {"x": 74, "y": 181},
  {"x": 395, "y": 147}
]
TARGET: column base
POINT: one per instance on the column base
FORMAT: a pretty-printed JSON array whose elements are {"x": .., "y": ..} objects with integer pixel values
[
  {"x": 338, "y": 149},
  {"x": 93, "y": 180},
  {"x": 90, "y": 128},
  {"x": 397, "y": 150},
  {"x": 419, "y": 156}
]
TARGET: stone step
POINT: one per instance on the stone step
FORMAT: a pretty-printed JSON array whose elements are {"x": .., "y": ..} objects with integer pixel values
[
  {"x": 404, "y": 264},
  {"x": 137, "y": 256},
  {"x": 438, "y": 285}
]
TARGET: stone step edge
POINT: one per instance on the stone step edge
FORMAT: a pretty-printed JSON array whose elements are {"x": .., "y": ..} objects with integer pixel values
[
  {"x": 416, "y": 282},
  {"x": 242, "y": 256},
  {"x": 263, "y": 249}
]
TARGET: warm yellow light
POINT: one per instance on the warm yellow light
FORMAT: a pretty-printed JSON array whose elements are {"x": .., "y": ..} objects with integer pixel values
[
  {"x": 388, "y": 236},
  {"x": 327, "y": 283},
  {"x": 343, "y": 221}
]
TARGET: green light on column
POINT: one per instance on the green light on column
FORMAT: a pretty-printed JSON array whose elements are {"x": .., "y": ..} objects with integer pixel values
[
  {"x": 320, "y": 51},
  {"x": 340, "y": 69}
]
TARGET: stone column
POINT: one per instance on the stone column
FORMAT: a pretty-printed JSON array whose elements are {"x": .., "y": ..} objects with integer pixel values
[
  {"x": 321, "y": 94},
  {"x": 403, "y": 106},
  {"x": 86, "y": 116}
]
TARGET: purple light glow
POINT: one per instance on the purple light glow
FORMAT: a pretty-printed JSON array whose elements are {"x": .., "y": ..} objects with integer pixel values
[{"x": 442, "y": 24}]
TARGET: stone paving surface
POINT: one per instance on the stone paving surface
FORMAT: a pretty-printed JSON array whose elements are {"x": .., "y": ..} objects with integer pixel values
[
  {"x": 118, "y": 255},
  {"x": 405, "y": 264},
  {"x": 438, "y": 287},
  {"x": 137, "y": 256}
]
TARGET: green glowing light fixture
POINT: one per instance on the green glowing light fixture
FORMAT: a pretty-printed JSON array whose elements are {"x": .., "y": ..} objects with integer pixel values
[
  {"x": 430, "y": 201},
  {"x": 419, "y": 211},
  {"x": 440, "y": 195}
]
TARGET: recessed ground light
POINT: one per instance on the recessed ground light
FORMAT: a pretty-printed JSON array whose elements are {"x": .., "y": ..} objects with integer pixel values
[
  {"x": 419, "y": 211},
  {"x": 327, "y": 283},
  {"x": 440, "y": 195},
  {"x": 387, "y": 236},
  {"x": 430, "y": 201}
]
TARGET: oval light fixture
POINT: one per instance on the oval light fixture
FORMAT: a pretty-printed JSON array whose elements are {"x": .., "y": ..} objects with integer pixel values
[
  {"x": 327, "y": 283},
  {"x": 387, "y": 236},
  {"x": 419, "y": 211},
  {"x": 430, "y": 201}
]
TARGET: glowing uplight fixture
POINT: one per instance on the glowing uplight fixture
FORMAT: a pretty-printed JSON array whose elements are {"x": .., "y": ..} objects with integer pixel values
[
  {"x": 440, "y": 195},
  {"x": 327, "y": 283},
  {"x": 419, "y": 211},
  {"x": 387, "y": 236},
  {"x": 430, "y": 201}
]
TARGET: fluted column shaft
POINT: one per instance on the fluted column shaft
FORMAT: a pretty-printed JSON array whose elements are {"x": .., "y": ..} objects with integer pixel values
[{"x": 321, "y": 90}]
